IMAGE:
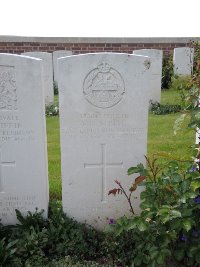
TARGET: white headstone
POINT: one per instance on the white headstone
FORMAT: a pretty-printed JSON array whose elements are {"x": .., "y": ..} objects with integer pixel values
[
  {"x": 103, "y": 117},
  {"x": 23, "y": 149},
  {"x": 47, "y": 73},
  {"x": 57, "y": 54},
  {"x": 156, "y": 57},
  {"x": 183, "y": 60},
  {"x": 197, "y": 136}
]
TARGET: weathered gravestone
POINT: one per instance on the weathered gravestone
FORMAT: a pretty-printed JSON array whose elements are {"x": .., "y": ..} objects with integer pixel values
[
  {"x": 183, "y": 60},
  {"x": 103, "y": 116},
  {"x": 57, "y": 54},
  {"x": 47, "y": 74},
  {"x": 156, "y": 57},
  {"x": 23, "y": 150}
]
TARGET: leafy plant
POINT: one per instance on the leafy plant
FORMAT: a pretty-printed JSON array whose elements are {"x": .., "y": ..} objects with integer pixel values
[
  {"x": 55, "y": 87},
  {"x": 7, "y": 251},
  {"x": 170, "y": 216},
  {"x": 192, "y": 106},
  {"x": 183, "y": 85},
  {"x": 159, "y": 109},
  {"x": 52, "y": 110},
  {"x": 167, "y": 72}
]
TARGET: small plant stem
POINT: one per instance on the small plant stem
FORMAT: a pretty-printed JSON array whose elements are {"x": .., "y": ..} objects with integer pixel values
[
  {"x": 128, "y": 198},
  {"x": 151, "y": 168}
]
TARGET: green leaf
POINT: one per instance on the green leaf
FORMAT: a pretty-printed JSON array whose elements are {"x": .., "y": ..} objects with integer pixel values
[
  {"x": 132, "y": 170},
  {"x": 110, "y": 228},
  {"x": 138, "y": 260},
  {"x": 191, "y": 195},
  {"x": 179, "y": 254},
  {"x": 182, "y": 199},
  {"x": 152, "y": 264},
  {"x": 154, "y": 253},
  {"x": 132, "y": 224},
  {"x": 138, "y": 169},
  {"x": 142, "y": 226},
  {"x": 176, "y": 214},
  {"x": 195, "y": 185},
  {"x": 178, "y": 123},
  {"x": 197, "y": 258},
  {"x": 165, "y": 218},
  {"x": 186, "y": 212},
  {"x": 146, "y": 259},
  {"x": 187, "y": 224},
  {"x": 176, "y": 177},
  {"x": 164, "y": 211},
  {"x": 161, "y": 258},
  {"x": 119, "y": 230}
]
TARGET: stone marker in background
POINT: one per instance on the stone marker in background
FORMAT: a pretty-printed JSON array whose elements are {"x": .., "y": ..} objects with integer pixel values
[
  {"x": 103, "y": 116},
  {"x": 156, "y": 57},
  {"x": 56, "y": 55},
  {"x": 183, "y": 60},
  {"x": 47, "y": 74},
  {"x": 23, "y": 149}
]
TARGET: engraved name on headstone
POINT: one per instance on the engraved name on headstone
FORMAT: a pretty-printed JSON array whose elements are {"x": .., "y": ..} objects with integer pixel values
[{"x": 103, "y": 116}]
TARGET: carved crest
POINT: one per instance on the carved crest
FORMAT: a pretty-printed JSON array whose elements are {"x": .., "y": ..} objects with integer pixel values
[
  {"x": 103, "y": 87},
  {"x": 8, "y": 91}
]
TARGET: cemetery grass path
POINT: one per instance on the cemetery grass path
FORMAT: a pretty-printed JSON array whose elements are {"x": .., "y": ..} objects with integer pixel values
[{"x": 160, "y": 139}]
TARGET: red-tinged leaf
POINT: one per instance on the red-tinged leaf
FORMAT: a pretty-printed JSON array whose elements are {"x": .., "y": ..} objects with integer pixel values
[
  {"x": 133, "y": 187},
  {"x": 119, "y": 191},
  {"x": 114, "y": 191},
  {"x": 139, "y": 179}
]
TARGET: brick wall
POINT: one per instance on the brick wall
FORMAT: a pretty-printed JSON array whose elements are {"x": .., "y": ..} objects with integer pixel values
[{"x": 20, "y": 45}]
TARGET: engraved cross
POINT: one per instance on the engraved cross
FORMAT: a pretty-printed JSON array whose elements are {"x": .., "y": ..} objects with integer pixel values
[
  {"x": 4, "y": 164},
  {"x": 103, "y": 165}
]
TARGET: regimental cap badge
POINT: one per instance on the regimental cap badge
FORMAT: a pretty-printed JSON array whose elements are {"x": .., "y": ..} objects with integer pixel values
[{"x": 103, "y": 86}]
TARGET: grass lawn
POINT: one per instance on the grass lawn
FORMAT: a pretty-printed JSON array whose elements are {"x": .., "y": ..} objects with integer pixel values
[{"x": 160, "y": 139}]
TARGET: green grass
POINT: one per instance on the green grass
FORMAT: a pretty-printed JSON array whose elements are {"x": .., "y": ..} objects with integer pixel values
[
  {"x": 56, "y": 99},
  {"x": 170, "y": 97},
  {"x": 161, "y": 139},
  {"x": 53, "y": 138}
]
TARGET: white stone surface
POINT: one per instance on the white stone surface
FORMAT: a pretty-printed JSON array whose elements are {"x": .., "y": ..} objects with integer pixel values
[
  {"x": 183, "y": 60},
  {"x": 156, "y": 57},
  {"x": 23, "y": 149},
  {"x": 103, "y": 119},
  {"x": 47, "y": 73},
  {"x": 57, "y": 54},
  {"x": 197, "y": 141}
]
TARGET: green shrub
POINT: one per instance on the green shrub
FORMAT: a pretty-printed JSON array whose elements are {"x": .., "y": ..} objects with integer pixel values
[
  {"x": 183, "y": 85},
  {"x": 7, "y": 253},
  {"x": 167, "y": 72},
  {"x": 159, "y": 109},
  {"x": 168, "y": 229},
  {"x": 68, "y": 237},
  {"x": 52, "y": 110},
  {"x": 39, "y": 240},
  {"x": 55, "y": 88},
  {"x": 64, "y": 262}
]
